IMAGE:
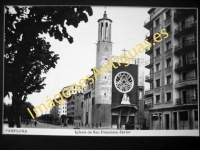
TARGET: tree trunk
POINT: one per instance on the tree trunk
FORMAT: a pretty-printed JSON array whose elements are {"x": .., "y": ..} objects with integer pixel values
[
  {"x": 18, "y": 113},
  {"x": 14, "y": 116},
  {"x": 11, "y": 122}
]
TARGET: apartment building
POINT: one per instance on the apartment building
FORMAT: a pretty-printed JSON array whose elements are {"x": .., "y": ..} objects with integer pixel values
[
  {"x": 172, "y": 99},
  {"x": 73, "y": 104}
]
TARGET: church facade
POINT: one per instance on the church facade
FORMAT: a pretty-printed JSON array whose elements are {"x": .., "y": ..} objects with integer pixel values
[{"x": 112, "y": 99}]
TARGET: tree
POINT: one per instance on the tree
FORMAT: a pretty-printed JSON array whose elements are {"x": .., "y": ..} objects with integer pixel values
[
  {"x": 27, "y": 54},
  {"x": 24, "y": 113}
]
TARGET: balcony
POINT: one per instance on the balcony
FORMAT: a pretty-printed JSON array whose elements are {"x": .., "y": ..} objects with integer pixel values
[
  {"x": 149, "y": 92},
  {"x": 149, "y": 50},
  {"x": 148, "y": 23},
  {"x": 186, "y": 83},
  {"x": 184, "y": 65},
  {"x": 183, "y": 13},
  {"x": 148, "y": 106},
  {"x": 149, "y": 63},
  {"x": 149, "y": 78},
  {"x": 187, "y": 101},
  {"x": 186, "y": 28},
  {"x": 185, "y": 46},
  {"x": 168, "y": 20},
  {"x": 149, "y": 35}
]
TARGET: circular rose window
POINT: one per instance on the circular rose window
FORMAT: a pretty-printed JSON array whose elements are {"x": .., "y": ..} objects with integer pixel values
[{"x": 124, "y": 82}]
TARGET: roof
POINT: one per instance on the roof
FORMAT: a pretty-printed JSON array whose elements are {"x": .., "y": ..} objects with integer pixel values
[{"x": 151, "y": 10}]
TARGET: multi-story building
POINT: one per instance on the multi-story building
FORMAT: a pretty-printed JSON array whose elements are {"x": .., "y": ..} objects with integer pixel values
[
  {"x": 88, "y": 102},
  {"x": 173, "y": 96},
  {"x": 58, "y": 112},
  {"x": 78, "y": 108},
  {"x": 73, "y": 104}
]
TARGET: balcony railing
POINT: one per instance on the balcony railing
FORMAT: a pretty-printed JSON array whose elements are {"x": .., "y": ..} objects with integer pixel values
[
  {"x": 184, "y": 45},
  {"x": 187, "y": 101},
  {"x": 182, "y": 29},
  {"x": 149, "y": 92},
  {"x": 148, "y": 106},
  {"x": 149, "y": 77},
  {"x": 149, "y": 35},
  {"x": 186, "y": 79},
  {"x": 149, "y": 50},
  {"x": 149, "y": 63},
  {"x": 182, "y": 13},
  {"x": 189, "y": 63},
  {"x": 189, "y": 81},
  {"x": 168, "y": 20}
]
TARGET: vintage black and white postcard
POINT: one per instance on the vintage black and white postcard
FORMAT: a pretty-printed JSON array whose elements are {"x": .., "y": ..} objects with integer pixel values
[{"x": 100, "y": 71}]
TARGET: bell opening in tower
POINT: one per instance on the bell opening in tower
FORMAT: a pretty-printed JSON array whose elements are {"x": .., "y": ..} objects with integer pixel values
[
  {"x": 106, "y": 31},
  {"x": 102, "y": 30}
]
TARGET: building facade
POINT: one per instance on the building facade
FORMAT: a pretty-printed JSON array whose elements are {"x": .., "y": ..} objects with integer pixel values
[
  {"x": 73, "y": 105},
  {"x": 173, "y": 96}
]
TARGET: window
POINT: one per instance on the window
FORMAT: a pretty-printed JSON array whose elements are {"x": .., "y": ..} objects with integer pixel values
[
  {"x": 89, "y": 95},
  {"x": 167, "y": 14},
  {"x": 168, "y": 62},
  {"x": 92, "y": 86},
  {"x": 157, "y": 98},
  {"x": 157, "y": 22},
  {"x": 195, "y": 73},
  {"x": 195, "y": 115},
  {"x": 93, "y": 101},
  {"x": 195, "y": 54},
  {"x": 168, "y": 29},
  {"x": 158, "y": 51},
  {"x": 158, "y": 83},
  {"x": 183, "y": 75},
  {"x": 151, "y": 85},
  {"x": 168, "y": 46},
  {"x": 168, "y": 96},
  {"x": 158, "y": 67},
  {"x": 81, "y": 104},
  {"x": 195, "y": 93},
  {"x": 169, "y": 79}
]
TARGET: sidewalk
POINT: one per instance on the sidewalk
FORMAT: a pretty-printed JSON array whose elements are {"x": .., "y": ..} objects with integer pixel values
[{"x": 52, "y": 126}]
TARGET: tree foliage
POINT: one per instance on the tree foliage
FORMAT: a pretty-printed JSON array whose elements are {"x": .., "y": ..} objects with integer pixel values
[{"x": 27, "y": 54}]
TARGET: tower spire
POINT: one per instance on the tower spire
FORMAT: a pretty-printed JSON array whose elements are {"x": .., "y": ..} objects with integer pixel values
[{"x": 105, "y": 15}]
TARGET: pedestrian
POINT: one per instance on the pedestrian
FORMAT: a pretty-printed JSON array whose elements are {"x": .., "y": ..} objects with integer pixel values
[{"x": 35, "y": 123}]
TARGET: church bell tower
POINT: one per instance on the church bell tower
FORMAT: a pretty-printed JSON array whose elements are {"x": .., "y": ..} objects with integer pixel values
[
  {"x": 103, "y": 56},
  {"x": 103, "y": 84}
]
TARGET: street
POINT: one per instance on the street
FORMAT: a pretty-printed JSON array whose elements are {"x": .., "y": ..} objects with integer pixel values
[{"x": 51, "y": 126}]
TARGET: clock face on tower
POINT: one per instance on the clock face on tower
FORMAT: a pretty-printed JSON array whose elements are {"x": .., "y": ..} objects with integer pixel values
[{"x": 123, "y": 82}]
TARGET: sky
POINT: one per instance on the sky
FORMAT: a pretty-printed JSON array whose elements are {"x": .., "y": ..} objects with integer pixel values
[{"x": 77, "y": 59}]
